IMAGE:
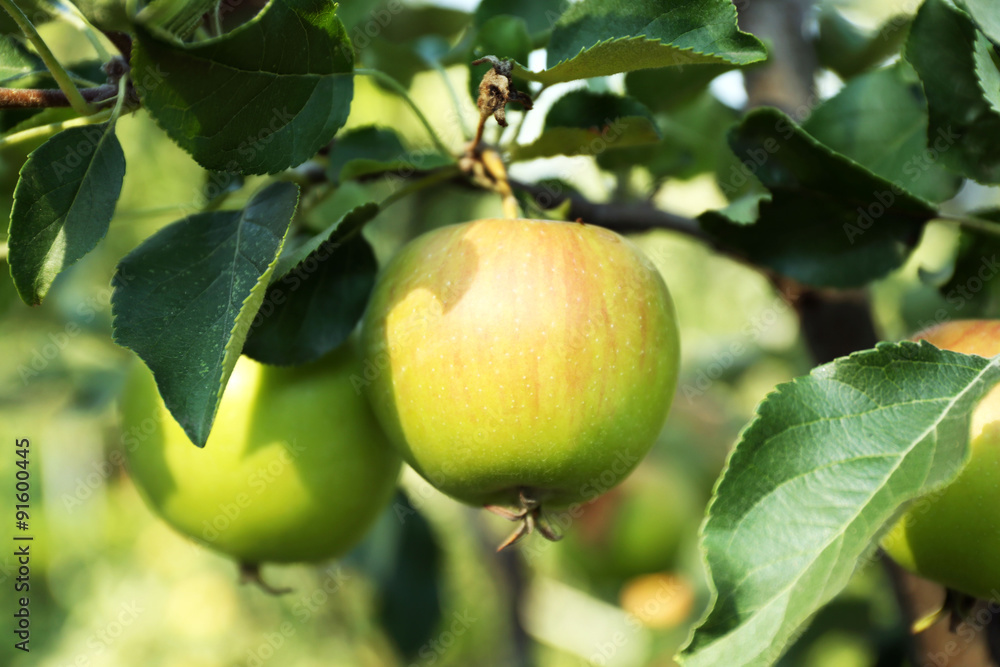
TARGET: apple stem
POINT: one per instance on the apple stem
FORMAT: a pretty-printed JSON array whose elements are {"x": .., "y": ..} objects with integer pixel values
[
  {"x": 250, "y": 574},
  {"x": 530, "y": 517},
  {"x": 486, "y": 167}
]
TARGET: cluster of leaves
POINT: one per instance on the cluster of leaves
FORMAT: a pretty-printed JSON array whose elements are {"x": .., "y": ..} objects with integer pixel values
[{"x": 835, "y": 197}]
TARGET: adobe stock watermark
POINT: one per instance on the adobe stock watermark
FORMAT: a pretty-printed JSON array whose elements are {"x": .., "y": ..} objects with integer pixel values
[
  {"x": 257, "y": 483},
  {"x": 960, "y": 295},
  {"x": 377, "y": 20},
  {"x": 666, "y": 593},
  {"x": 966, "y": 631},
  {"x": 431, "y": 652},
  {"x": 882, "y": 200},
  {"x": 562, "y": 520},
  {"x": 102, "y": 639},
  {"x": 305, "y": 607},
  {"x": 271, "y": 644},
  {"x": 421, "y": 492},
  {"x": 753, "y": 159},
  {"x": 725, "y": 359},
  {"x": 85, "y": 312}
]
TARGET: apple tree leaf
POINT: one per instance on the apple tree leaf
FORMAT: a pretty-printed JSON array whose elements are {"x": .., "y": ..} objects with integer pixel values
[
  {"x": 829, "y": 222},
  {"x": 16, "y": 61},
  {"x": 63, "y": 203},
  {"x": 402, "y": 555},
  {"x": 984, "y": 13},
  {"x": 394, "y": 37},
  {"x": 972, "y": 289},
  {"x": 603, "y": 37},
  {"x": 964, "y": 129},
  {"x": 371, "y": 150},
  {"x": 317, "y": 295},
  {"x": 816, "y": 477},
  {"x": 587, "y": 123},
  {"x": 988, "y": 70},
  {"x": 668, "y": 88},
  {"x": 184, "y": 299},
  {"x": 693, "y": 140},
  {"x": 256, "y": 100},
  {"x": 879, "y": 120},
  {"x": 848, "y": 49},
  {"x": 539, "y": 16}
]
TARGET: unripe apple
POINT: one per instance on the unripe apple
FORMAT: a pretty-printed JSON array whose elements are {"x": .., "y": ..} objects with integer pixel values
[
  {"x": 614, "y": 538},
  {"x": 522, "y": 362},
  {"x": 295, "y": 468},
  {"x": 953, "y": 536}
]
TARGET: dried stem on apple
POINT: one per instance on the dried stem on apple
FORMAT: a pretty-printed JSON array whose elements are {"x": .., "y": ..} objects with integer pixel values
[
  {"x": 250, "y": 574},
  {"x": 529, "y": 514}
]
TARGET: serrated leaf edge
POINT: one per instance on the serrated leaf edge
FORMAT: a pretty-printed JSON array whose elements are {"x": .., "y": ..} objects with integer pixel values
[{"x": 820, "y": 372}]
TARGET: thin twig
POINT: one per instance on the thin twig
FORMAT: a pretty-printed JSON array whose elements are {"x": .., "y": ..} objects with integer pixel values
[
  {"x": 619, "y": 217},
  {"x": 972, "y": 222},
  {"x": 59, "y": 73},
  {"x": 42, "y": 98}
]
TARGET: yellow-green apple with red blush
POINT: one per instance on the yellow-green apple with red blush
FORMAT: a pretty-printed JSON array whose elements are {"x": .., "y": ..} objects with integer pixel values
[
  {"x": 295, "y": 469},
  {"x": 521, "y": 363}
]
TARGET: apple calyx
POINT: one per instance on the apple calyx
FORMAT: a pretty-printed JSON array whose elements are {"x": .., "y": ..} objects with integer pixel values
[
  {"x": 250, "y": 574},
  {"x": 530, "y": 516}
]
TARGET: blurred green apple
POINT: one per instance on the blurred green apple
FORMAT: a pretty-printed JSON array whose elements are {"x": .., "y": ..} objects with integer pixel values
[
  {"x": 639, "y": 527},
  {"x": 953, "y": 536},
  {"x": 521, "y": 363},
  {"x": 295, "y": 469}
]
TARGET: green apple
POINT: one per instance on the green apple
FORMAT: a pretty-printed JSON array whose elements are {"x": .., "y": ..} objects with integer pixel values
[
  {"x": 521, "y": 363},
  {"x": 296, "y": 467},
  {"x": 953, "y": 536},
  {"x": 615, "y": 539}
]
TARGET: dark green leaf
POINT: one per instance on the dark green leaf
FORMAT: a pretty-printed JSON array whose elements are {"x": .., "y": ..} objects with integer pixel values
[
  {"x": 184, "y": 299},
  {"x": 830, "y": 222},
  {"x": 395, "y": 37},
  {"x": 694, "y": 142},
  {"x": 603, "y": 37},
  {"x": 105, "y": 14},
  {"x": 15, "y": 60},
  {"x": 879, "y": 120},
  {"x": 409, "y": 598},
  {"x": 37, "y": 11},
  {"x": 538, "y": 15},
  {"x": 964, "y": 129},
  {"x": 259, "y": 99},
  {"x": 373, "y": 143},
  {"x": 984, "y": 13},
  {"x": 973, "y": 288},
  {"x": 370, "y": 150},
  {"x": 988, "y": 70},
  {"x": 823, "y": 467},
  {"x": 63, "y": 205},
  {"x": 501, "y": 36},
  {"x": 848, "y": 49},
  {"x": 318, "y": 296},
  {"x": 411, "y": 22},
  {"x": 668, "y": 88},
  {"x": 586, "y": 123}
]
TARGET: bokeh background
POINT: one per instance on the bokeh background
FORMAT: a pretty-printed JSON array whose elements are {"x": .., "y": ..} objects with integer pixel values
[{"x": 112, "y": 585}]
